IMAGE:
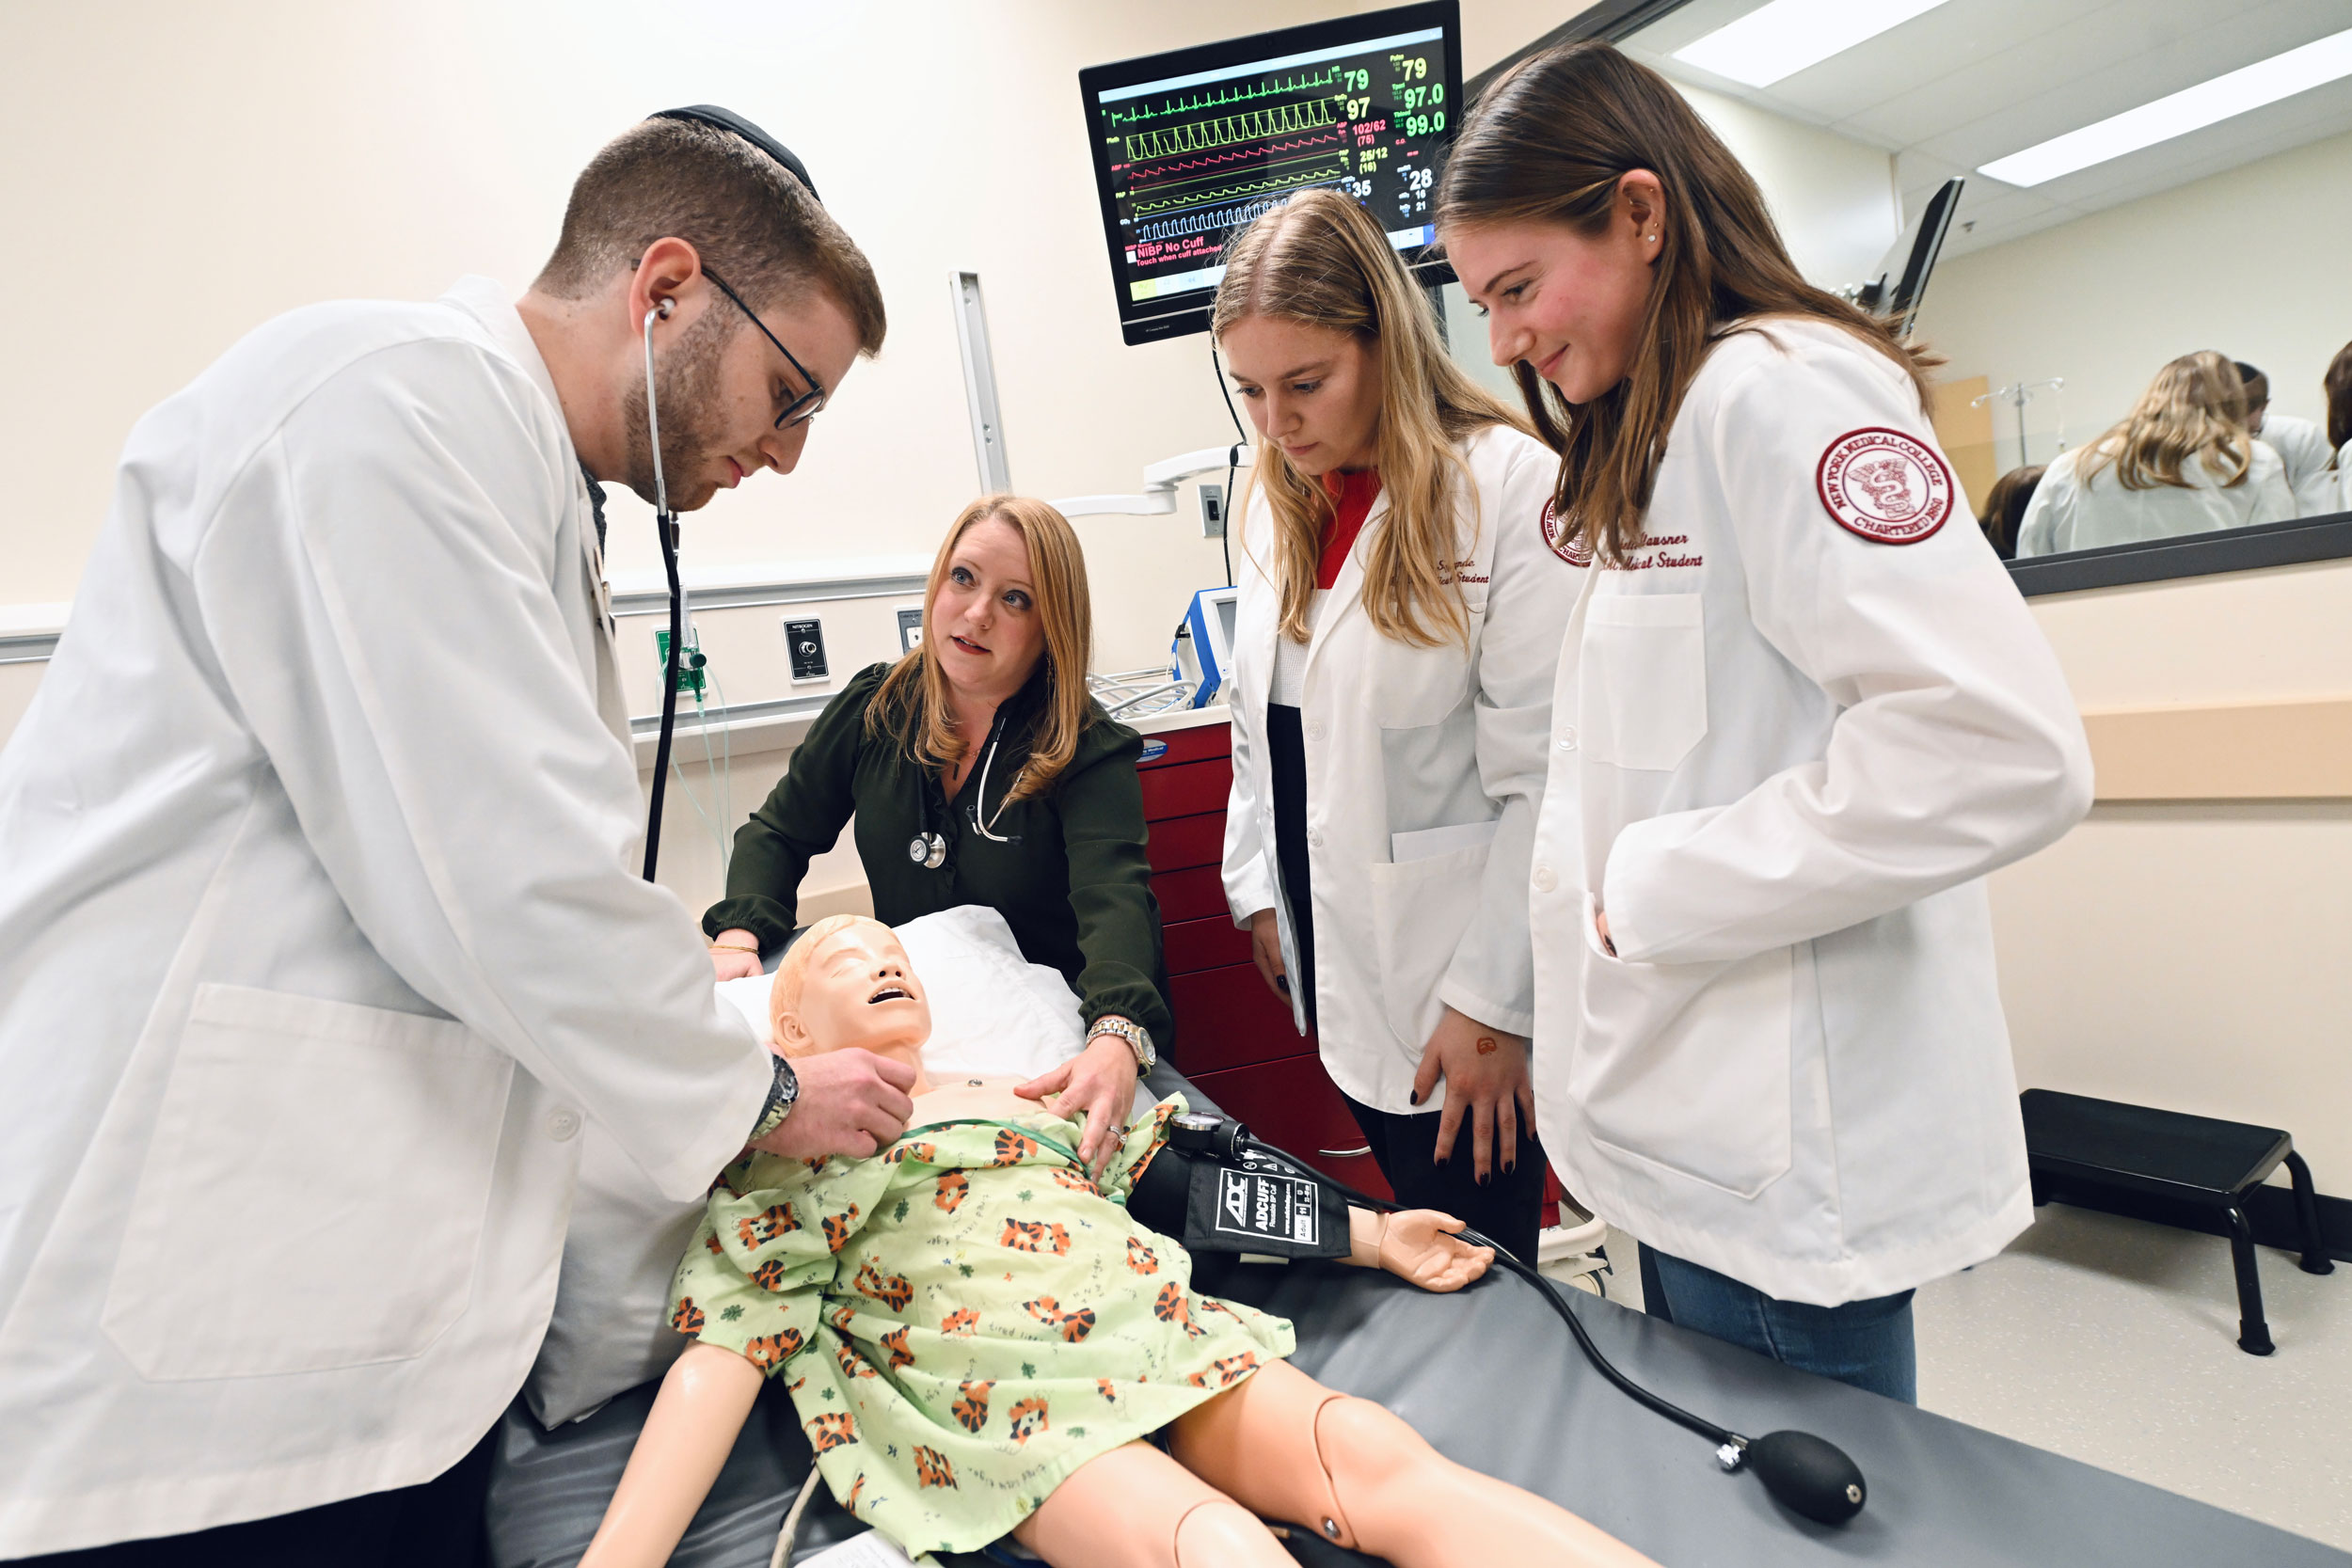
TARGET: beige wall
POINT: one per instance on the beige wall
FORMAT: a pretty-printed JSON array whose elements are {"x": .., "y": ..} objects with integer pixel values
[
  {"x": 182, "y": 173},
  {"x": 2193, "y": 955},
  {"x": 2252, "y": 262}
]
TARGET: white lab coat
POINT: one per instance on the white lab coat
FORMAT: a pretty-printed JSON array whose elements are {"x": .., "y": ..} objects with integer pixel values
[
  {"x": 319, "y": 936},
  {"x": 2067, "y": 513},
  {"x": 2302, "y": 447},
  {"x": 1787, "y": 757},
  {"x": 1423, "y": 769}
]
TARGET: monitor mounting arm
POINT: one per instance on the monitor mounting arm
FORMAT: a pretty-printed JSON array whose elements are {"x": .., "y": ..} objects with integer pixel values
[{"x": 1159, "y": 483}]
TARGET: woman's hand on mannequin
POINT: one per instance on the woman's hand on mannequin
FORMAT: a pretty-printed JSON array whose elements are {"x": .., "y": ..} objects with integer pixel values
[
  {"x": 1419, "y": 1244},
  {"x": 732, "y": 965},
  {"x": 1265, "y": 951},
  {"x": 1100, "y": 1082},
  {"x": 851, "y": 1102},
  {"x": 1485, "y": 1076}
]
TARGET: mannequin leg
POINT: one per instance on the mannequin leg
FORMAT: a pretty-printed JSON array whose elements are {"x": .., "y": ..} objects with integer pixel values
[
  {"x": 1135, "y": 1508},
  {"x": 695, "y": 1419},
  {"x": 1285, "y": 1446}
]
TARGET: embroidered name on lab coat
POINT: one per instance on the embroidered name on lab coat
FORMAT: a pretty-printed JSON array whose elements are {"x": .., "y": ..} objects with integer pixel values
[
  {"x": 1652, "y": 554},
  {"x": 1883, "y": 485}
]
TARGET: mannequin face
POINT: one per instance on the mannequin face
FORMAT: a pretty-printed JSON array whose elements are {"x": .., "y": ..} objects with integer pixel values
[{"x": 858, "y": 992}]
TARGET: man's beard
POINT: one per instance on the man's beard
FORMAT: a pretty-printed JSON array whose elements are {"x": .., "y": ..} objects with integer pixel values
[{"x": 686, "y": 378}]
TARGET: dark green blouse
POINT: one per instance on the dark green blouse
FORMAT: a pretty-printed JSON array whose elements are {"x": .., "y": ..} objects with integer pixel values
[{"x": 1073, "y": 884}]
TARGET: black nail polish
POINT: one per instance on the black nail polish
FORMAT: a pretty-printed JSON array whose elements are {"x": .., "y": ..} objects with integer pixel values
[
  {"x": 1283, "y": 984},
  {"x": 1413, "y": 1098},
  {"x": 1484, "y": 1180}
]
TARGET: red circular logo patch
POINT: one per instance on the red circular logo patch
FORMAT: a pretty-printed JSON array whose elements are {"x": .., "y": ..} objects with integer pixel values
[
  {"x": 1884, "y": 484},
  {"x": 1576, "y": 552}
]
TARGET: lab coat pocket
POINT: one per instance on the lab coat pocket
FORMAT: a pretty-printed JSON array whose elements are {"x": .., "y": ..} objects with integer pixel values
[
  {"x": 1642, "y": 679},
  {"x": 1420, "y": 908},
  {"x": 314, "y": 1193},
  {"x": 1687, "y": 1066}
]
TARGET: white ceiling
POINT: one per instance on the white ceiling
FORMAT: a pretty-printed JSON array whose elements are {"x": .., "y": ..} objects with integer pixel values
[{"x": 1974, "y": 80}]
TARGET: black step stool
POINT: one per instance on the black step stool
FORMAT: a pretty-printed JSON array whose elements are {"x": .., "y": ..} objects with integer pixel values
[{"x": 2196, "y": 1159}]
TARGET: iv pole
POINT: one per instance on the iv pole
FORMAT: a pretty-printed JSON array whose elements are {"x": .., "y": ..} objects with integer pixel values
[{"x": 2018, "y": 395}]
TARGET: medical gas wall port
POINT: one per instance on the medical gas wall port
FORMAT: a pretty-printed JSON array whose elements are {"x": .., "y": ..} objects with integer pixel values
[
  {"x": 1212, "y": 512},
  {"x": 691, "y": 663},
  {"x": 1192, "y": 144},
  {"x": 805, "y": 644},
  {"x": 909, "y": 629}
]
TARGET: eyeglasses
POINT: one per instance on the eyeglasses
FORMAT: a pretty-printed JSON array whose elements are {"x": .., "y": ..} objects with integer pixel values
[{"x": 809, "y": 403}]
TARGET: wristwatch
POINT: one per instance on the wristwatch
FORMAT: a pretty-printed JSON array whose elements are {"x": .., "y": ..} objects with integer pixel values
[
  {"x": 783, "y": 1093},
  {"x": 1139, "y": 1040}
]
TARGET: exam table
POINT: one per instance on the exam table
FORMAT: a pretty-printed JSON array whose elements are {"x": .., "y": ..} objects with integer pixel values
[{"x": 1492, "y": 1379}]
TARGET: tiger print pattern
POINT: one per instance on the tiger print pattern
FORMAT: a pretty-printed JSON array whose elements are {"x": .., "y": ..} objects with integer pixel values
[
  {"x": 961, "y": 1321},
  {"x": 931, "y": 1467},
  {"x": 896, "y": 1344},
  {"x": 1169, "y": 1307},
  {"x": 921, "y": 1153},
  {"x": 831, "y": 1430},
  {"x": 1072, "y": 1326},
  {"x": 1013, "y": 1148},
  {"x": 952, "y": 1187},
  {"x": 852, "y": 1364},
  {"x": 1225, "y": 1371},
  {"x": 688, "y": 1318},
  {"x": 1141, "y": 1258},
  {"x": 1026, "y": 1418},
  {"x": 774, "y": 1350},
  {"x": 840, "y": 1227},
  {"x": 769, "y": 1275},
  {"x": 1077, "y": 1180},
  {"x": 891, "y": 1290},
  {"x": 1036, "y": 1236},
  {"x": 760, "y": 1228},
  {"x": 971, "y": 1407}
]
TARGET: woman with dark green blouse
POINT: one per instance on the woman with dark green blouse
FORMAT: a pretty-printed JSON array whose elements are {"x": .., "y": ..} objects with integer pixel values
[{"x": 979, "y": 770}]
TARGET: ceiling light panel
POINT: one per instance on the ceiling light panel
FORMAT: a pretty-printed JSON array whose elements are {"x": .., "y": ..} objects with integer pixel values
[
  {"x": 1784, "y": 36},
  {"x": 2209, "y": 103}
]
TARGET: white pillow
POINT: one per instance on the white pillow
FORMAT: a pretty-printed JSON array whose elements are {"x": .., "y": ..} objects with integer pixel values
[{"x": 992, "y": 1011}]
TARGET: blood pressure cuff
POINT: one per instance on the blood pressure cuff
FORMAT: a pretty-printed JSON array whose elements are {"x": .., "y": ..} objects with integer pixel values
[{"x": 1249, "y": 1205}]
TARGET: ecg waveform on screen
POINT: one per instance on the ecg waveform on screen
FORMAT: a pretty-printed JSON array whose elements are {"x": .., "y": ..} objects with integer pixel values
[
  {"x": 1227, "y": 96},
  {"x": 1205, "y": 136},
  {"x": 1216, "y": 220}
]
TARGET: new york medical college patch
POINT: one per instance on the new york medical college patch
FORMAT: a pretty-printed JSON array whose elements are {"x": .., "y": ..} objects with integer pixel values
[{"x": 1883, "y": 485}]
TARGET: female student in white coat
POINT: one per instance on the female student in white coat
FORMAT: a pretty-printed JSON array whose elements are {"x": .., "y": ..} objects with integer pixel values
[
  {"x": 1399, "y": 609},
  {"x": 2180, "y": 462},
  {"x": 1801, "y": 714}
]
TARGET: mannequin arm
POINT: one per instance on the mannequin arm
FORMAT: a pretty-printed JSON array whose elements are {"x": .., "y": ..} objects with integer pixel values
[
  {"x": 701, "y": 1410},
  {"x": 1418, "y": 1244}
]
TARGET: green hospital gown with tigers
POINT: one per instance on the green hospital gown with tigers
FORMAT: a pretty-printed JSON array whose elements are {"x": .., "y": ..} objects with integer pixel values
[{"x": 964, "y": 1318}]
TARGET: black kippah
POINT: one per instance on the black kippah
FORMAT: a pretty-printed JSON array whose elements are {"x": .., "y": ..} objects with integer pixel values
[{"x": 727, "y": 119}]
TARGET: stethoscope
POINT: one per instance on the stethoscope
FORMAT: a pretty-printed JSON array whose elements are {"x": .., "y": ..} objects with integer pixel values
[
  {"x": 928, "y": 847},
  {"x": 665, "y": 525}
]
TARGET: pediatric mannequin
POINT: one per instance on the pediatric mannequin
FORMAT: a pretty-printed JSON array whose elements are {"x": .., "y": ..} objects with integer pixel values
[{"x": 1054, "y": 1456}]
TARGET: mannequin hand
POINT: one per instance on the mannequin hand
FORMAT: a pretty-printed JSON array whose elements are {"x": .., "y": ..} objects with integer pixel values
[
  {"x": 1486, "y": 1074},
  {"x": 1101, "y": 1082},
  {"x": 1419, "y": 1244},
  {"x": 851, "y": 1102},
  {"x": 1265, "y": 951},
  {"x": 735, "y": 966}
]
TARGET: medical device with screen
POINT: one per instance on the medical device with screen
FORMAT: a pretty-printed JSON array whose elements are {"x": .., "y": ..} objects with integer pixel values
[{"x": 1190, "y": 145}]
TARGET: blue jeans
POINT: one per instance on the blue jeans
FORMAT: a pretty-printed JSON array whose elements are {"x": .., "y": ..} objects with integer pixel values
[{"x": 1866, "y": 1343}]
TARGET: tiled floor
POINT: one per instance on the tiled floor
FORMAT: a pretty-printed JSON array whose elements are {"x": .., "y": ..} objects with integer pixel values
[{"x": 2114, "y": 1342}]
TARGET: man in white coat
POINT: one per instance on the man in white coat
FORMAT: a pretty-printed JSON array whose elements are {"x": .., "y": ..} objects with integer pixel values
[
  {"x": 321, "y": 934},
  {"x": 2300, "y": 444}
]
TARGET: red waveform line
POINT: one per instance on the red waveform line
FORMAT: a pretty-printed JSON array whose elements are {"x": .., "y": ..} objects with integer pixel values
[{"x": 1247, "y": 152}]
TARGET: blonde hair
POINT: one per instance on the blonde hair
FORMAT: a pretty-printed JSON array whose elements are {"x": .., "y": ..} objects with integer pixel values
[
  {"x": 912, "y": 706},
  {"x": 1319, "y": 260},
  {"x": 784, "y": 996},
  {"x": 1550, "y": 143},
  {"x": 2194, "y": 407}
]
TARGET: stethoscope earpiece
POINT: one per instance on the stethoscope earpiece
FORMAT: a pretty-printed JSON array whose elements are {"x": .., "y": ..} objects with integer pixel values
[{"x": 663, "y": 308}]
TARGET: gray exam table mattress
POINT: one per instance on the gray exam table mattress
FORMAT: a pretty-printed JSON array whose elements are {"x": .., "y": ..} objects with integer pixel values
[{"x": 1493, "y": 1380}]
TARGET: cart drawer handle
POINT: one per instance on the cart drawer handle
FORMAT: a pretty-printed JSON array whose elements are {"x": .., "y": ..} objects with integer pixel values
[{"x": 1345, "y": 1153}]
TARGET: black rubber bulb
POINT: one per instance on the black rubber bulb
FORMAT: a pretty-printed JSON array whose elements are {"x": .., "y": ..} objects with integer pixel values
[{"x": 1808, "y": 1475}]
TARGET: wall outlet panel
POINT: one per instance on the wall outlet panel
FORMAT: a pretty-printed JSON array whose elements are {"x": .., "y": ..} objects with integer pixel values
[
  {"x": 909, "y": 629},
  {"x": 1212, "y": 512},
  {"x": 805, "y": 644}
]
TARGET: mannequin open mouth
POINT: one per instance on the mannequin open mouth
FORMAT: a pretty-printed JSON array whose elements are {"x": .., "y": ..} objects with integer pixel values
[{"x": 889, "y": 993}]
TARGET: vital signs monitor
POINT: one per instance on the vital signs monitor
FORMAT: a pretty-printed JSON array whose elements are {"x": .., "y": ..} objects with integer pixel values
[{"x": 1190, "y": 145}]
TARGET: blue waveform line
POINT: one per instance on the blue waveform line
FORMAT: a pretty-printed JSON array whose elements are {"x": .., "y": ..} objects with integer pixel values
[{"x": 1234, "y": 217}]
